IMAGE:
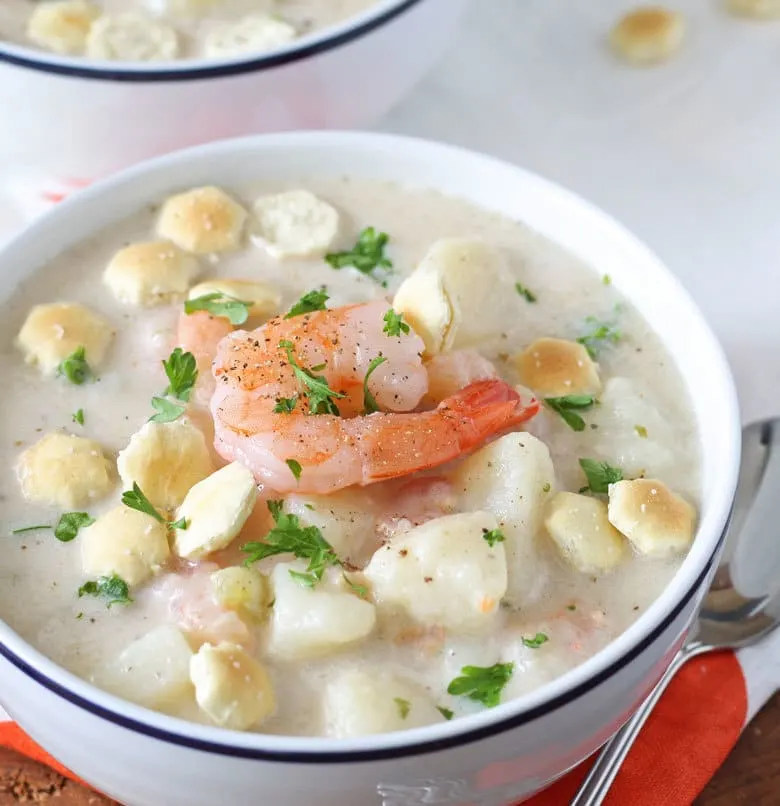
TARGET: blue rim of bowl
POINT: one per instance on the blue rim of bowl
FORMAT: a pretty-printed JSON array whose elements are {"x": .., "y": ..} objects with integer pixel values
[
  {"x": 221, "y": 70},
  {"x": 380, "y": 754}
]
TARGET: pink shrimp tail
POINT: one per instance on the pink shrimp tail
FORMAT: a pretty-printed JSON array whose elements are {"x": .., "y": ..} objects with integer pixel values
[{"x": 490, "y": 406}]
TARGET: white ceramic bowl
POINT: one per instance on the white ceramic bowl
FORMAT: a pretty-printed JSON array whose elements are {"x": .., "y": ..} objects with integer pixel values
[
  {"x": 68, "y": 120},
  {"x": 146, "y": 759}
]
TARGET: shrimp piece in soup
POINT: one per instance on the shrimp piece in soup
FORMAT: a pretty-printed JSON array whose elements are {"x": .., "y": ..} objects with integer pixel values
[
  {"x": 199, "y": 333},
  {"x": 270, "y": 382}
]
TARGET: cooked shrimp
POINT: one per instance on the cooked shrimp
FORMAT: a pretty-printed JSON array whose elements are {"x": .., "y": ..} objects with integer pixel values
[
  {"x": 255, "y": 371},
  {"x": 199, "y": 333}
]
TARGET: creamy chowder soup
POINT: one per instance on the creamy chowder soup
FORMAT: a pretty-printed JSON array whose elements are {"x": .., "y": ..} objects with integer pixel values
[
  {"x": 333, "y": 461},
  {"x": 163, "y": 30}
]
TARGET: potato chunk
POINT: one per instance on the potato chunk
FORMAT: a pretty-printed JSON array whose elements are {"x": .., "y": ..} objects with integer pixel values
[
  {"x": 65, "y": 471},
  {"x": 361, "y": 702},
  {"x": 444, "y": 572},
  {"x": 556, "y": 367},
  {"x": 243, "y": 590},
  {"x": 125, "y": 542},
  {"x": 512, "y": 478},
  {"x": 153, "y": 671},
  {"x": 53, "y": 332},
  {"x": 456, "y": 295},
  {"x": 264, "y": 298},
  {"x": 151, "y": 273},
  {"x": 585, "y": 538},
  {"x": 310, "y": 622},
  {"x": 215, "y": 510},
  {"x": 202, "y": 220},
  {"x": 656, "y": 521},
  {"x": 165, "y": 460},
  {"x": 231, "y": 686},
  {"x": 62, "y": 26}
]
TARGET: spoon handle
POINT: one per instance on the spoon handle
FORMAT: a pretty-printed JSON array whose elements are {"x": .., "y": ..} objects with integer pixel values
[{"x": 602, "y": 775}]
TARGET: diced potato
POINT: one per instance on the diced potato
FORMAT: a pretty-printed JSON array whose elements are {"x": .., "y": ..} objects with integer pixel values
[
  {"x": 151, "y": 273},
  {"x": 365, "y": 702},
  {"x": 231, "y": 687},
  {"x": 165, "y": 460},
  {"x": 215, "y": 509},
  {"x": 264, "y": 297},
  {"x": 311, "y": 622},
  {"x": 457, "y": 294},
  {"x": 242, "y": 589},
  {"x": 125, "y": 542},
  {"x": 512, "y": 478},
  {"x": 202, "y": 220},
  {"x": 556, "y": 367},
  {"x": 51, "y": 333},
  {"x": 65, "y": 471},
  {"x": 153, "y": 671},
  {"x": 579, "y": 527},
  {"x": 656, "y": 521},
  {"x": 444, "y": 572}
]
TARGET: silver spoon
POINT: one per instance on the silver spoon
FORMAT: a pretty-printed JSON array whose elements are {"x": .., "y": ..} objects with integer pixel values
[{"x": 743, "y": 603}]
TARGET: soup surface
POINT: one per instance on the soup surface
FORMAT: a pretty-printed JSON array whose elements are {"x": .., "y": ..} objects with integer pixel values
[
  {"x": 163, "y": 30},
  {"x": 454, "y": 464}
]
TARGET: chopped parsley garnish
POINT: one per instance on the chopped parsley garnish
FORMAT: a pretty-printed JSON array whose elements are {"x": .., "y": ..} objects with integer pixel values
[
  {"x": 641, "y": 431},
  {"x": 35, "y": 528},
  {"x": 182, "y": 524},
  {"x": 403, "y": 706},
  {"x": 317, "y": 390},
  {"x": 285, "y": 405},
  {"x": 535, "y": 642},
  {"x": 493, "y": 536},
  {"x": 360, "y": 590},
  {"x": 182, "y": 372},
  {"x": 445, "y": 712},
  {"x": 367, "y": 255},
  {"x": 236, "y": 311},
  {"x": 114, "y": 589},
  {"x": 599, "y": 475},
  {"x": 394, "y": 324},
  {"x": 309, "y": 302},
  {"x": 546, "y": 487},
  {"x": 69, "y": 524},
  {"x": 601, "y": 333},
  {"x": 567, "y": 407},
  {"x": 369, "y": 401},
  {"x": 606, "y": 280},
  {"x": 571, "y": 607},
  {"x": 166, "y": 410},
  {"x": 525, "y": 292},
  {"x": 75, "y": 367},
  {"x": 135, "y": 499},
  {"x": 289, "y": 537},
  {"x": 295, "y": 468},
  {"x": 78, "y": 417},
  {"x": 482, "y": 683}
]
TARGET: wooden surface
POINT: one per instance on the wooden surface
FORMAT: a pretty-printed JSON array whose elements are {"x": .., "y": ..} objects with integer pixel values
[{"x": 751, "y": 775}]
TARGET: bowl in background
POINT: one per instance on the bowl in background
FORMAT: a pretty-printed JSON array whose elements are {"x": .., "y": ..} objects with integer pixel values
[{"x": 491, "y": 758}]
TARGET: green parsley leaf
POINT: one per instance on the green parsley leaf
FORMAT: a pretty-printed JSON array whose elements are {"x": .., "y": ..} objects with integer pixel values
[
  {"x": 535, "y": 642},
  {"x": 360, "y": 590},
  {"x": 599, "y": 475},
  {"x": 317, "y": 390},
  {"x": 305, "y": 580},
  {"x": 35, "y": 528},
  {"x": 565, "y": 407},
  {"x": 182, "y": 524},
  {"x": 482, "y": 684},
  {"x": 404, "y": 706},
  {"x": 75, "y": 367},
  {"x": 524, "y": 292},
  {"x": 445, "y": 712},
  {"x": 394, "y": 324},
  {"x": 182, "y": 372},
  {"x": 309, "y": 302},
  {"x": 571, "y": 607},
  {"x": 546, "y": 487},
  {"x": 236, "y": 311},
  {"x": 601, "y": 334},
  {"x": 606, "y": 280},
  {"x": 167, "y": 411},
  {"x": 641, "y": 431},
  {"x": 493, "y": 536},
  {"x": 78, "y": 417},
  {"x": 69, "y": 524},
  {"x": 289, "y": 537},
  {"x": 135, "y": 499},
  {"x": 295, "y": 468},
  {"x": 369, "y": 401},
  {"x": 367, "y": 256},
  {"x": 113, "y": 588},
  {"x": 285, "y": 405}
]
